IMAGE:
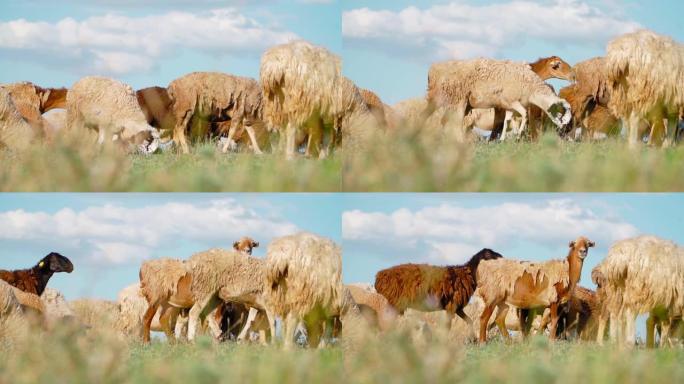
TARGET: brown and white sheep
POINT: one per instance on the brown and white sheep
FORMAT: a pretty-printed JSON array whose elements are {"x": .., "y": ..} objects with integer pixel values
[
  {"x": 432, "y": 288},
  {"x": 32, "y": 101},
  {"x": 458, "y": 86},
  {"x": 111, "y": 108},
  {"x": 644, "y": 274},
  {"x": 303, "y": 283},
  {"x": 646, "y": 73},
  {"x": 199, "y": 98},
  {"x": 528, "y": 285}
]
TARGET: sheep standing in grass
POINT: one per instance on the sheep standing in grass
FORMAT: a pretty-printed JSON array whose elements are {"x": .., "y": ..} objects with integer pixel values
[
  {"x": 303, "y": 283},
  {"x": 110, "y": 108},
  {"x": 527, "y": 285},
  {"x": 459, "y": 86},
  {"x": 431, "y": 288},
  {"x": 15, "y": 131},
  {"x": 203, "y": 97},
  {"x": 644, "y": 274},
  {"x": 304, "y": 91},
  {"x": 32, "y": 101},
  {"x": 646, "y": 73}
]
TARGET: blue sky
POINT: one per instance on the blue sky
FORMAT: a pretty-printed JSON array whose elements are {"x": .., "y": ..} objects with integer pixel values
[
  {"x": 151, "y": 42},
  {"x": 108, "y": 235},
  {"x": 389, "y": 44}
]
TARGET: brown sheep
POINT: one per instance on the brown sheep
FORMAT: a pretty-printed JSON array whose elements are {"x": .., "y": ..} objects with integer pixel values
[
  {"x": 34, "y": 280},
  {"x": 431, "y": 288},
  {"x": 384, "y": 114},
  {"x": 156, "y": 105}
]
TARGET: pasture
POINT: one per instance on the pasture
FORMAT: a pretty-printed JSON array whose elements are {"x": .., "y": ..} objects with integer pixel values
[
  {"x": 419, "y": 161},
  {"x": 69, "y": 356}
]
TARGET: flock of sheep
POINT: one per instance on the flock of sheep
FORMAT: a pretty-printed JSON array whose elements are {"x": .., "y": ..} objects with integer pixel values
[
  {"x": 302, "y": 95},
  {"x": 233, "y": 295}
]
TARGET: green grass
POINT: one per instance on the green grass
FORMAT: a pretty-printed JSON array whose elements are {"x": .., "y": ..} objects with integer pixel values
[
  {"x": 77, "y": 357},
  {"x": 64, "y": 167},
  {"x": 412, "y": 162}
]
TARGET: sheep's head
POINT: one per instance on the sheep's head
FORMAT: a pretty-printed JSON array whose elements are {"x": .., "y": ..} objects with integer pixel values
[
  {"x": 581, "y": 246},
  {"x": 557, "y": 68},
  {"x": 137, "y": 137},
  {"x": 245, "y": 245},
  {"x": 560, "y": 113},
  {"x": 54, "y": 262}
]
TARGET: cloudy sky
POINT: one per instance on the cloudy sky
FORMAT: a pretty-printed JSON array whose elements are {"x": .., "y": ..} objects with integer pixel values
[
  {"x": 151, "y": 42},
  {"x": 389, "y": 44},
  {"x": 381, "y": 230},
  {"x": 107, "y": 236}
]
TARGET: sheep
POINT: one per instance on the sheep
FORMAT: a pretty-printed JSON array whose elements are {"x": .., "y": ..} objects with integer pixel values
[
  {"x": 528, "y": 285},
  {"x": 459, "y": 86},
  {"x": 13, "y": 325},
  {"x": 384, "y": 114},
  {"x": 304, "y": 91},
  {"x": 34, "y": 280},
  {"x": 201, "y": 97},
  {"x": 646, "y": 73},
  {"x": 431, "y": 288},
  {"x": 165, "y": 284},
  {"x": 111, "y": 109},
  {"x": 15, "y": 131},
  {"x": 32, "y": 101},
  {"x": 303, "y": 283},
  {"x": 156, "y": 104},
  {"x": 217, "y": 275},
  {"x": 643, "y": 274}
]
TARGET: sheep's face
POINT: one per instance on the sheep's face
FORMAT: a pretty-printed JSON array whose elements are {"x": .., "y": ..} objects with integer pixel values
[
  {"x": 560, "y": 69},
  {"x": 54, "y": 262},
  {"x": 245, "y": 245},
  {"x": 581, "y": 246},
  {"x": 560, "y": 113},
  {"x": 136, "y": 137}
]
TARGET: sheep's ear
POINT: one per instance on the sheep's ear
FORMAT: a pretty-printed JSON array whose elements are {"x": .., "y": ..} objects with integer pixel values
[
  {"x": 590, "y": 244},
  {"x": 572, "y": 244},
  {"x": 235, "y": 245}
]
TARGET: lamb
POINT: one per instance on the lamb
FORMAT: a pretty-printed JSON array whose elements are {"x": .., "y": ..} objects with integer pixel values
[
  {"x": 644, "y": 274},
  {"x": 203, "y": 97},
  {"x": 15, "y": 131},
  {"x": 32, "y": 101},
  {"x": 111, "y": 109},
  {"x": 222, "y": 275},
  {"x": 34, "y": 280},
  {"x": 528, "y": 285},
  {"x": 646, "y": 71},
  {"x": 156, "y": 105},
  {"x": 430, "y": 288},
  {"x": 304, "y": 91},
  {"x": 303, "y": 283},
  {"x": 459, "y": 86}
]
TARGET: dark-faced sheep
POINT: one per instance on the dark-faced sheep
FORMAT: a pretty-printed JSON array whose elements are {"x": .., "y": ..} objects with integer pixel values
[
  {"x": 34, "y": 280},
  {"x": 431, "y": 288}
]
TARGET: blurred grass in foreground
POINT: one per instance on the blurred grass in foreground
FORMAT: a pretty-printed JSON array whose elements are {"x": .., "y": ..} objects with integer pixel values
[
  {"x": 74, "y": 356},
  {"x": 414, "y": 160},
  {"x": 68, "y": 166}
]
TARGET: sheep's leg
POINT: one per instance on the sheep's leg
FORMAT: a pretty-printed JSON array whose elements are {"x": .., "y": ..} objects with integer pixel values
[
  {"x": 199, "y": 310},
  {"x": 290, "y": 142},
  {"x": 253, "y": 139},
  {"x": 181, "y": 328},
  {"x": 248, "y": 324},
  {"x": 506, "y": 124},
  {"x": 213, "y": 323},
  {"x": 179, "y": 132},
  {"x": 630, "y": 330},
  {"x": 554, "y": 321},
  {"x": 465, "y": 317},
  {"x": 484, "y": 321},
  {"x": 650, "y": 331},
  {"x": 289, "y": 329},
  {"x": 313, "y": 146},
  {"x": 600, "y": 333},
  {"x": 671, "y": 131},
  {"x": 665, "y": 334},
  {"x": 231, "y": 132},
  {"x": 523, "y": 316},
  {"x": 499, "y": 121},
  {"x": 167, "y": 313},
  {"x": 147, "y": 321},
  {"x": 517, "y": 107},
  {"x": 633, "y": 127},
  {"x": 502, "y": 311}
]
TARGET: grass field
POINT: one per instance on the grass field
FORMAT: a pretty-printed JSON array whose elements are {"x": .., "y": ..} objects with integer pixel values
[
  {"x": 413, "y": 162},
  {"x": 75, "y": 357},
  {"x": 66, "y": 167}
]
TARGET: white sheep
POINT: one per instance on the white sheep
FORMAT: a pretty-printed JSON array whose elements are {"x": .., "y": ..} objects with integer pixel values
[
  {"x": 303, "y": 276},
  {"x": 459, "y": 86},
  {"x": 110, "y": 108}
]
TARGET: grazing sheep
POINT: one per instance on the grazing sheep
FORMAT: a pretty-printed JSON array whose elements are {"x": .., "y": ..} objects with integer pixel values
[
  {"x": 110, "y": 108},
  {"x": 32, "y": 101},
  {"x": 156, "y": 105},
  {"x": 202, "y": 97},
  {"x": 431, "y": 288},
  {"x": 303, "y": 283},
  {"x": 222, "y": 275},
  {"x": 644, "y": 274},
  {"x": 34, "y": 280},
  {"x": 529, "y": 285},
  {"x": 646, "y": 73},
  {"x": 373, "y": 306},
  {"x": 304, "y": 91},
  {"x": 459, "y": 86},
  {"x": 15, "y": 131},
  {"x": 165, "y": 284}
]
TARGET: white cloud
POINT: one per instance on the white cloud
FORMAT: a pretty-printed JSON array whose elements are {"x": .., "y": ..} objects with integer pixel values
[
  {"x": 119, "y": 235},
  {"x": 450, "y": 233},
  {"x": 462, "y": 30},
  {"x": 115, "y": 44}
]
